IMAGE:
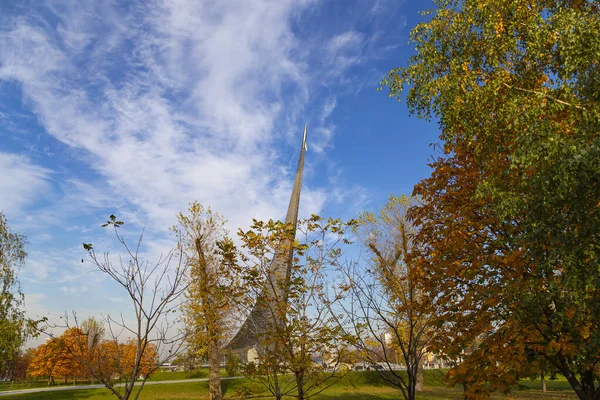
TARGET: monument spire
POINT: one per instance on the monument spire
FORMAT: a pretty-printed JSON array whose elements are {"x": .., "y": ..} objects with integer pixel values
[
  {"x": 292, "y": 213},
  {"x": 261, "y": 315}
]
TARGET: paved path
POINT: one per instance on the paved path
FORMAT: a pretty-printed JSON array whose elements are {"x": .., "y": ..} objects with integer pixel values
[{"x": 100, "y": 386}]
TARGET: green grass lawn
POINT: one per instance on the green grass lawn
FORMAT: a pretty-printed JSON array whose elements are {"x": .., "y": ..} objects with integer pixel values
[
  {"x": 559, "y": 384},
  {"x": 177, "y": 375},
  {"x": 355, "y": 386}
]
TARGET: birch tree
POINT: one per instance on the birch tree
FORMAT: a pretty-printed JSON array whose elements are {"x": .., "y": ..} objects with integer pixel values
[{"x": 213, "y": 287}]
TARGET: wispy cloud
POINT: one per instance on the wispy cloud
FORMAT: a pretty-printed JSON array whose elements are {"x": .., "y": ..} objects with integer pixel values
[
  {"x": 22, "y": 183},
  {"x": 344, "y": 51},
  {"x": 191, "y": 114},
  {"x": 173, "y": 101},
  {"x": 167, "y": 102},
  {"x": 73, "y": 290}
]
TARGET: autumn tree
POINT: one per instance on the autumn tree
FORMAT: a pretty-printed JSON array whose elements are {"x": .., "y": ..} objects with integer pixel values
[
  {"x": 56, "y": 358},
  {"x": 43, "y": 362},
  {"x": 126, "y": 361},
  {"x": 15, "y": 328},
  {"x": 302, "y": 350},
  {"x": 213, "y": 286},
  {"x": 388, "y": 311},
  {"x": 136, "y": 349},
  {"x": 510, "y": 221},
  {"x": 98, "y": 355},
  {"x": 70, "y": 354}
]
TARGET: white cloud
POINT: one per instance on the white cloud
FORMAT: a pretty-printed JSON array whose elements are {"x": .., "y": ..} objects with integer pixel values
[
  {"x": 322, "y": 134},
  {"x": 22, "y": 183},
  {"x": 328, "y": 107},
  {"x": 212, "y": 141},
  {"x": 55, "y": 266},
  {"x": 343, "y": 52},
  {"x": 73, "y": 290},
  {"x": 36, "y": 298},
  {"x": 346, "y": 41},
  {"x": 169, "y": 102}
]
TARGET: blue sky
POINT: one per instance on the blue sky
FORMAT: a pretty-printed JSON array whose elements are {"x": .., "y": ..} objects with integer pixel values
[{"x": 138, "y": 109}]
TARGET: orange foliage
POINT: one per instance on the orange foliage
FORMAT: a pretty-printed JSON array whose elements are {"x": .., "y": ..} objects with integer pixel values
[
  {"x": 60, "y": 357},
  {"x": 69, "y": 356}
]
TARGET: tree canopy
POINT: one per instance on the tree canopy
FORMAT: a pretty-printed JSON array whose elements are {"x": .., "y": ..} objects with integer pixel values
[{"x": 511, "y": 213}]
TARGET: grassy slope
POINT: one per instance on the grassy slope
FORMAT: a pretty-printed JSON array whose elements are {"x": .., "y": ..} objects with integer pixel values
[{"x": 356, "y": 386}]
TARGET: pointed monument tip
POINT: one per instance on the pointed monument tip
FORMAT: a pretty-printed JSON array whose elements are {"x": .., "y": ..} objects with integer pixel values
[{"x": 304, "y": 138}]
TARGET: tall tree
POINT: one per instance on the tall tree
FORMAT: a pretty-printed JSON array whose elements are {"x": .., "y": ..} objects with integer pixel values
[
  {"x": 155, "y": 290},
  {"x": 213, "y": 286},
  {"x": 388, "y": 310},
  {"x": 301, "y": 354},
  {"x": 14, "y": 327},
  {"x": 511, "y": 216}
]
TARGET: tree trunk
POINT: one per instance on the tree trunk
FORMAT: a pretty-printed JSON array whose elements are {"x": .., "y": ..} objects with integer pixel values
[
  {"x": 212, "y": 327},
  {"x": 300, "y": 386},
  {"x": 543, "y": 379},
  {"x": 278, "y": 395},
  {"x": 588, "y": 379},
  {"x": 412, "y": 393},
  {"x": 214, "y": 370},
  {"x": 584, "y": 390},
  {"x": 419, "y": 378},
  {"x": 128, "y": 390},
  {"x": 411, "y": 371}
]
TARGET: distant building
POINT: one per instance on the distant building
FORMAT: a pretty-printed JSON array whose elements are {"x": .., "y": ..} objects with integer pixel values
[{"x": 171, "y": 367}]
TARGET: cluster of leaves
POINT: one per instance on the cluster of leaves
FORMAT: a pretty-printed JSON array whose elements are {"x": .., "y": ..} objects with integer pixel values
[{"x": 511, "y": 213}]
